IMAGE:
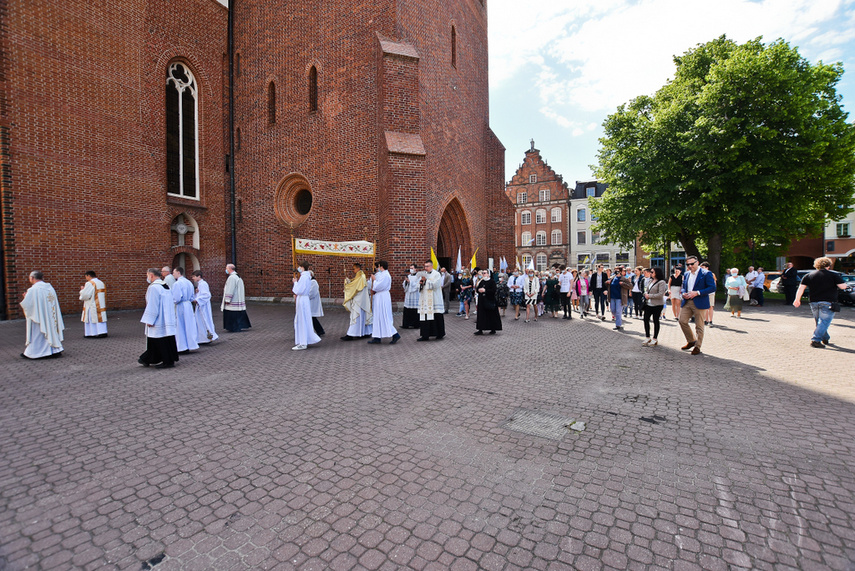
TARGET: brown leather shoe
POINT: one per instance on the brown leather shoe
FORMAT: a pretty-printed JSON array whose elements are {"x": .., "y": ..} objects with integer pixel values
[
  {"x": 696, "y": 351},
  {"x": 688, "y": 345}
]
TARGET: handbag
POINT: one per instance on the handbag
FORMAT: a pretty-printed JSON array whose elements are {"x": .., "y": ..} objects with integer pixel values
[
  {"x": 835, "y": 306},
  {"x": 745, "y": 295}
]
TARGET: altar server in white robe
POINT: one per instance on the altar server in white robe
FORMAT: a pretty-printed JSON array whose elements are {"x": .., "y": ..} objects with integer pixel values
[
  {"x": 383, "y": 325},
  {"x": 44, "y": 319},
  {"x": 233, "y": 305},
  {"x": 94, "y": 297},
  {"x": 358, "y": 302},
  {"x": 412, "y": 284},
  {"x": 317, "y": 306},
  {"x": 304, "y": 333},
  {"x": 167, "y": 277},
  {"x": 159, "y": 320},
  {"x": 431, "y": 308},
  {"x": 204, "y": 317},
  {"x": 183, "y": 293}
]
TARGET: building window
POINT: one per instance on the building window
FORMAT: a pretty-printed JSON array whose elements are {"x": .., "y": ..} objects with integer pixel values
[
  {"x": 526, "y": 260},
  {"x": 182, "y": 149},
  {"x": 271, "y": 103},
  {"x": 556, "y": 215},
  {"x": 532, "y": 178},
  {"x": 622, "y": 258},
  {"x": 525, "y": 217},
  {"x": 313, "y": 89},
  {"x": 544, "y": 195},
  {"x": 581, "y": 237},
  {"x": 540, "y": 238},
  {"x": 603, "y": 258},
  {"x": 556, "y": 237},
  {"x": 525, "y": 239},
  {"x": 541, "y": 262},
  {"x": 843, "y": 230},
  {"x": 453, "y": 47},
  {"x": 522, "y": 197},
  {"x": 581, "y": 215},
  {"x": 591, "y": 191},
  {"x": 540, "y": 217},
  {"x": 595, "y": 237}
]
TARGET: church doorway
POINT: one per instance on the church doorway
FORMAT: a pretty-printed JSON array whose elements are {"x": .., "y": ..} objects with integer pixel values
[{"x": 453, "y": 234}]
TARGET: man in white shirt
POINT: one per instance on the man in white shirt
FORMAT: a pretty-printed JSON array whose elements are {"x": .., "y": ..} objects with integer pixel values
[
  {"x": 93, "y": 296},
  {"x": 750, "y": 277},
  {"x": 515, "y": 287},
  {"x": 564, "y": 281}
]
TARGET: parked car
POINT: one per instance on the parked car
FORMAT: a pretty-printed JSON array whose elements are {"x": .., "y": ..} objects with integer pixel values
[
  {"x": 847, "y": 296},
  {"x": 776, "y": 285},
  {"x": 770, "y": 278}
]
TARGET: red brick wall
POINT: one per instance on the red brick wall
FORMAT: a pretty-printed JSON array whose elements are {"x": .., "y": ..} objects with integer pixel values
[
  {"x": 360, "y": 189},
  {"x": 87, "y": 174}
]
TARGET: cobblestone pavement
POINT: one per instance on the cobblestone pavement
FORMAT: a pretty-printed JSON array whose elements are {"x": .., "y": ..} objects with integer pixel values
[{"x": 452, "y": 454}]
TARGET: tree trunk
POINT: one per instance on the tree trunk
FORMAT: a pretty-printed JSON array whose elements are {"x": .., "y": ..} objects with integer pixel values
[
  {"x": 714, "y": 253},
  {"x": 690, "y": 246}
]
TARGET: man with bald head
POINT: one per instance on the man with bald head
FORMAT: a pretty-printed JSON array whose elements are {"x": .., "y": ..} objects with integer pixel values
[
  {"x": 167, "y": 277},
  {"x": 234, "y": 302}
]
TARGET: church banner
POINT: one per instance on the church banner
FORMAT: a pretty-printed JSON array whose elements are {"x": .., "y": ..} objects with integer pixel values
[{"x": 323, "y": 248}]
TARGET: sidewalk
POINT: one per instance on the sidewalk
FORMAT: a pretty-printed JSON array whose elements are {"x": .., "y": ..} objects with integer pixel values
[{"x": 552, "y": 445}]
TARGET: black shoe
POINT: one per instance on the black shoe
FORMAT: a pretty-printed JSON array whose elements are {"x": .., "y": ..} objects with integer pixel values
[
  {"x": 817, "y": 344},
  {"x": 479, "y": 332},
  {"x": 55, "y": 355},
  {"x": 164, "y": 366},
  {"x": 140, "y": 361},
  {"x": 438, "y": 337},
  {"x": 374, "y": 341},
  {"x": 493, "y": 332},
  {"x": 101, "y": 336},
  {"x": 423, "y": 339},
  {"x": 618, "y": 328},
  {"x": 25, "y": 357},
  {"x": 395, "y": 338},
  {"x": 826, "y": 342},
  {"x": 349, "y": 338}
]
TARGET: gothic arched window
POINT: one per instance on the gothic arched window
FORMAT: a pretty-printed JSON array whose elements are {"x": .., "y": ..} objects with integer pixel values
[{"x": 182, "y": 148}]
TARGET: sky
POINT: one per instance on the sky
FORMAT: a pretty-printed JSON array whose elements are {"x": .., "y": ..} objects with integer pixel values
[{"x": 558, "y": 68}]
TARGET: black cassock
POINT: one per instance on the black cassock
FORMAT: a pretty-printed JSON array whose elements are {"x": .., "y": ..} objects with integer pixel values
[{"x": 488, "y": 312}]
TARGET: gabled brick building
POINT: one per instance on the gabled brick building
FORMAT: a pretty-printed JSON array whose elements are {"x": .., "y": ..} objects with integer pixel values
[
  {"x": 353, "y": 121},
  {"x": 540, "y": 198}
]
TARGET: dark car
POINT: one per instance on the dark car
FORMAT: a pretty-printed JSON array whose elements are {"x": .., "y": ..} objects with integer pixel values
[{"x": 847, "y": 296}]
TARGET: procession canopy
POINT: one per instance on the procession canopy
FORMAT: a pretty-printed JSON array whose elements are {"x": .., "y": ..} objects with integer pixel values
[{"x": 324, "y": 248}]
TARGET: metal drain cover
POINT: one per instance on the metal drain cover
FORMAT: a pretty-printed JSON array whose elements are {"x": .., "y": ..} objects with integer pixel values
[{"x": 542, "y": 424}]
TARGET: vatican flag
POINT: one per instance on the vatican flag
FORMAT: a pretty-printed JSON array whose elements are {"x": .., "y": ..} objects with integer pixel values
[
  {"x": 433, "y": 260},
  {"x": 473, "y": 263}
]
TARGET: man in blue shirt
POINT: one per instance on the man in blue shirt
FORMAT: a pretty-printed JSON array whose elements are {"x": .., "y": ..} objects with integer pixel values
[{"x": 758, "y": 284}]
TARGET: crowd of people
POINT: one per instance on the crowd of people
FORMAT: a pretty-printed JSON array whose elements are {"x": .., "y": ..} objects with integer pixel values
[{"x": 178, "y": 317}]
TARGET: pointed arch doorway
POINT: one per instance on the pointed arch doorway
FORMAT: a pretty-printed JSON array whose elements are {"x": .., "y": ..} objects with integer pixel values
[{"x": 453, "y": 234}]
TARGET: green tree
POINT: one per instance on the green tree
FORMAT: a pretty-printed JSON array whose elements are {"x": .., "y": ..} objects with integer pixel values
[{"x": 747, "y": 142}]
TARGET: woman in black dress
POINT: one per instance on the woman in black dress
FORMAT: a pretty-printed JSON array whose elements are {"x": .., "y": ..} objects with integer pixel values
[{"x": 488, "y": 312}]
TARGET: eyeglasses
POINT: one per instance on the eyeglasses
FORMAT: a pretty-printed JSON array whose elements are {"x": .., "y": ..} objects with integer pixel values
[{"x": 691, "y": 263}]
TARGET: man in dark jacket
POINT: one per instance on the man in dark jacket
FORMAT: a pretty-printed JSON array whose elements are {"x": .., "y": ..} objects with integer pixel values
[
  {"x": 599, "y": 283},
  {"x": 790, "y": 281}
]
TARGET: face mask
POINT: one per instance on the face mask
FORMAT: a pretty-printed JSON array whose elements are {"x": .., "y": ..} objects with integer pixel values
[
  {"x": 148, "y": 279},
  {"x": 227, "y": 272},
  {"x": 412, "y": 271},
  {"x": 300, "y": 270},
  {"x": 734, "y": 274}
]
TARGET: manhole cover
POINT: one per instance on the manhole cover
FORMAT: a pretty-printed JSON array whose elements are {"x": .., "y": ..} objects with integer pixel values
[{"x": 542, "y": 424}]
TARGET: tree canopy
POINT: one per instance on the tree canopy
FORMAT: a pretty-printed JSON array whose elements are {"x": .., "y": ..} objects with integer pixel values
[{"x": 746, "y": 142}]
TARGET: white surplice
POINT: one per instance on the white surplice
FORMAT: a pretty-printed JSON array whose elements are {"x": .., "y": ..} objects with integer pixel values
[
  {"x": 304, "y": 332},
  {"x": 94, "y": 298},
  {"x": 44, "y": 321},
  {"x": 159, "y": 311},
  {"x": 430, "y": 300},
  {"x": 315, "y": 299},
  {"x": 185, "y": 331},
  {"x": 204, "y": 317},
  {"x": 383, "y": 325}
]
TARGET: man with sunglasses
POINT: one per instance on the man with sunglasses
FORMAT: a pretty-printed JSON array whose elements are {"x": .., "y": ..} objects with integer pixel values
[{"x": 698, "y": 284}]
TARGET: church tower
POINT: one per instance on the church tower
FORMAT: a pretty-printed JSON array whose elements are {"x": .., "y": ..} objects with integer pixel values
[{"x": 364, "y": 121}]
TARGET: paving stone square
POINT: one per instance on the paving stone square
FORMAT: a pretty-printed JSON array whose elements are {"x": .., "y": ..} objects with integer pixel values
[{"x": 248, "y": 455}]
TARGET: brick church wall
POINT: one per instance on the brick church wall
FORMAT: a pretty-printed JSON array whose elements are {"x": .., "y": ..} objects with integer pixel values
[{"x": 85, "y": 178}]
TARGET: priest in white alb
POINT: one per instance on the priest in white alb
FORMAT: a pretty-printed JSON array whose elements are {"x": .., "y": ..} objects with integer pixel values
[
  {"x": 159, "y": 320},
  {"x": 204, "y": 317},
  {"x": 383, "y": 325},
  {"x": 44, "y": 319},
  {"x": 304, "y": 332},
  {"x": 431, "y": 308},
  {"x": 94, "y": 298},
  {"x": 358, "y": 303},
  {"x": 233, "y": 305},
  {"x": 183, "y": 293}
]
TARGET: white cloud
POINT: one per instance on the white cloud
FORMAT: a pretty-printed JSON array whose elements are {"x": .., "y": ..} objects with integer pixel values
[{"x": 593, "y": 56}]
